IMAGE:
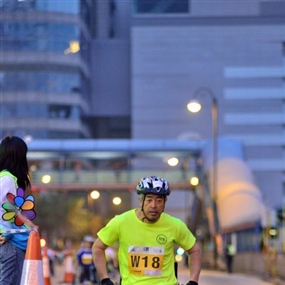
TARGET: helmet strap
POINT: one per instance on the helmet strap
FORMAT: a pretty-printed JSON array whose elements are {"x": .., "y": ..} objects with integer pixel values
[{"x": 145, "y": 217}]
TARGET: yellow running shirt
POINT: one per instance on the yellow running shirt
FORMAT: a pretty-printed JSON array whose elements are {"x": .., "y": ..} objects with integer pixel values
[{"x": 146, "y": 251}]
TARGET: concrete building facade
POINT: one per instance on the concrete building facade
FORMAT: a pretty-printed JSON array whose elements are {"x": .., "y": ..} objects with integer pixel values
[
  {"x": 234, "y": 49},
  {"x": 139, "y": 64}
]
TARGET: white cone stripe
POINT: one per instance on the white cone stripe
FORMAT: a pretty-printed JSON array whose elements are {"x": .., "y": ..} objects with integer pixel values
[
  {"x": 69, "y": 264},
  {"x": 46, "y": 266},
  {"x": 32, "y": 273}
]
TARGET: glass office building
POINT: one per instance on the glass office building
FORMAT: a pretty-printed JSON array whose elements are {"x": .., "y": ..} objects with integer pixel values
[{"x": 44, "y": 76}]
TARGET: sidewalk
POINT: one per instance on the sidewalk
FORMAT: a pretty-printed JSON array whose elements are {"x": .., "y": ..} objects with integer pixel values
[{"x": 211, "y": 277}]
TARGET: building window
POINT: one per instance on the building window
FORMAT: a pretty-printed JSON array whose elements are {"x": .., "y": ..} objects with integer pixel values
[
  {"x": 38, "y": 36},
  {"x": 160, "y": 6},
  {"x": 38, "y": 81}
]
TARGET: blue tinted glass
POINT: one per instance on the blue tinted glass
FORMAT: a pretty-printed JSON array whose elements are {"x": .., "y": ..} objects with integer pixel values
[
  {"x": 23, "y": 110},
  {"x": 63, "y": 6},
  {"x": 43, "y": 82},
  {"x": 39, "y": 110},
  {"x": 160, "y": 6},
  {"x": 37, "y": 36},
  {"x": 32, "y": 110},
  {"x": 10, "y": 5}
]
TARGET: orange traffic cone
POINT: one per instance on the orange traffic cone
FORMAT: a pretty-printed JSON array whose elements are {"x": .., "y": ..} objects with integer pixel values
[
  {"x": 46, "y": 267},
  {"x": 69, "y": 274},
  {"x": 32, "y": 273}
]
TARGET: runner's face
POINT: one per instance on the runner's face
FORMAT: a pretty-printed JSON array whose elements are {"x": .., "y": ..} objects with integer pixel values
[{"x": 153, "y": 206}]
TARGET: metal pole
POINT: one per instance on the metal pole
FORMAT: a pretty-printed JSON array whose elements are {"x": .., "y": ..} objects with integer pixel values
[
  {"x": 215, "y": 175},
  {"x": 215, "y": 145},
  {"x": 214, "y": 182}
]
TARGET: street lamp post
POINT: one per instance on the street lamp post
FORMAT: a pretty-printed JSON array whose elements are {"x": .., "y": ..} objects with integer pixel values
[{"x": 194, "y": 106}]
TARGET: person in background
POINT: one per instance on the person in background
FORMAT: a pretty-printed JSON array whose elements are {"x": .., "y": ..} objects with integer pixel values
[
  {"x": 146, "y": 238},
  {"x": 50, "y": 254},
  {"x": 229, "y": 256},
  {"x": 87, "y": 272},
  {"x": 14, "y": 181},
  {"x": 51, "y": 257}
]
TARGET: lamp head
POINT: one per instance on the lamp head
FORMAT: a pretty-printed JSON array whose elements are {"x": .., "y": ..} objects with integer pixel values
[{"x": 194, "y": 106}]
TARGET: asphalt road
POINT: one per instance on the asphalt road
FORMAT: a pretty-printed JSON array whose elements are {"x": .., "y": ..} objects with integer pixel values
[{"x": 208, "y": 277}]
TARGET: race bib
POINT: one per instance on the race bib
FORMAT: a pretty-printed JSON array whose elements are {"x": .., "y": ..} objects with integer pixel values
[
  {"x": 145, "y": 260},
  {"x": 86, "y": 258}
]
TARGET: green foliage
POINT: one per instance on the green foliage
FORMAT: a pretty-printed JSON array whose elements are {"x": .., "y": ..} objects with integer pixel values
[{"x": 62, "y": 216}]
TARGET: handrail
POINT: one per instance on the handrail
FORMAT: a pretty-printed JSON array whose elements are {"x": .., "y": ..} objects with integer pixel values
[{"x": 106, "y": 179}]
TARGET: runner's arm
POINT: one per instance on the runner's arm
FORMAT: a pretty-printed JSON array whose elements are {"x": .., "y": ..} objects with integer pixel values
[
  {"x": 99, "y": 258},
  {"x": 195, "y": 262}
]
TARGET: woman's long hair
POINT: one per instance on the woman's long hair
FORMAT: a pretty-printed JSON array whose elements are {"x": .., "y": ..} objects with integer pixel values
[{"x": 13, "y": 157}]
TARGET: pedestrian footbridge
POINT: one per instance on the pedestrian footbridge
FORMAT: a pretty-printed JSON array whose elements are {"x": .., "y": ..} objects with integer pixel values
[{"x": 109, "y": 165}]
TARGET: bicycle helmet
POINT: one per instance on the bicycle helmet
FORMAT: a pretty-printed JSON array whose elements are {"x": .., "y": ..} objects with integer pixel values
[
  {"x": 153, "y": 185},
  {"x": 88, "y": 239}
]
